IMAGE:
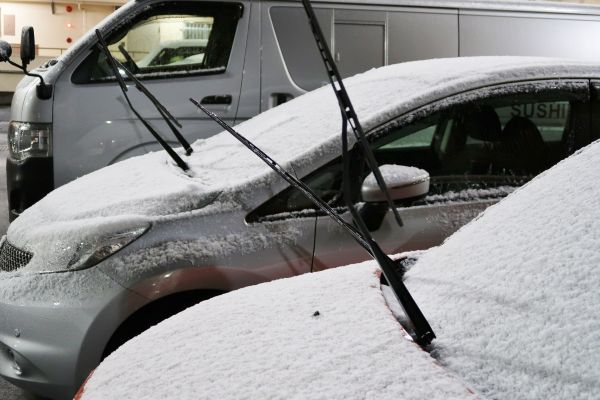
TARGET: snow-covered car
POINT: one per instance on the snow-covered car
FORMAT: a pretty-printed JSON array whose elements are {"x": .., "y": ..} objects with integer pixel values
[
  {"x": 103, "y": 258},
  {"x": 512, "y": 296}
]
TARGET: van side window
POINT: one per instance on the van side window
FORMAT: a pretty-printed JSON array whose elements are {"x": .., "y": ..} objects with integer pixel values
[{"x": 169, "y": 39}]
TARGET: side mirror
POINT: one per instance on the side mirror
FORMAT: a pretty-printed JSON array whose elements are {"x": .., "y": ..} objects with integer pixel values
[
  {"x": 404, "y": 183},
  {"x": 27, "y": 45},
  {"x": 5, "y": 51}
]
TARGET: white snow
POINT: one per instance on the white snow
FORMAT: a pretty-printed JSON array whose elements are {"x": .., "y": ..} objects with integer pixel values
[
  {"x": 224, "y": 174},
  {"x": 513, "y": 296},
  {"x": 265, "y": 342}
]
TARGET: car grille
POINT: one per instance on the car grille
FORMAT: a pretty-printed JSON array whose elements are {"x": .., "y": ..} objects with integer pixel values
[{"x": 13, "y": 258}]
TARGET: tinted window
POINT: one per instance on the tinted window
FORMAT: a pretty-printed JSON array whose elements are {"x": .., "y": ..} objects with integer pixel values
[
  {"x": 169, "y": 39},
  {"x": 482, "y": 149}
]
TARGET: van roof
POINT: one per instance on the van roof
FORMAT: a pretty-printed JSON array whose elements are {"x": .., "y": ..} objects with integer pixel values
[{"x": 483, "y": 5}]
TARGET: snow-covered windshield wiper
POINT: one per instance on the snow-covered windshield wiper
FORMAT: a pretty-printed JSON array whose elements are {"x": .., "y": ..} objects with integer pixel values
[
  {"x": 113, "y": 65},
  {"x": 423, "y": 333},
  {"x": 423, "y": 336}
]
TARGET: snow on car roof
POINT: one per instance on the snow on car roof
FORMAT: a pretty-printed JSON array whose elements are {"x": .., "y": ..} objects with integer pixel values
[
  {"x": 513, "y": 296},
  {"x": 327, "y": 335},
  {"x": 303, "y": 133}
]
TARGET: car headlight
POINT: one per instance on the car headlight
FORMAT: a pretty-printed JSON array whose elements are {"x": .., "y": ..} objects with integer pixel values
[
  {"x": 29, "y": 140},
  {"x": 92, "y": 251}
]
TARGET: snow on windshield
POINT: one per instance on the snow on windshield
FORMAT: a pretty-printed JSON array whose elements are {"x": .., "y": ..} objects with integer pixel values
[
  {"x": 327, "y": 335},
  {"x": 513, "y": 296}
]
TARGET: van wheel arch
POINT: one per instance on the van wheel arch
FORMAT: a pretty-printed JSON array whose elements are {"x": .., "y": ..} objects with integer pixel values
[{"x": 153, "y": 313}]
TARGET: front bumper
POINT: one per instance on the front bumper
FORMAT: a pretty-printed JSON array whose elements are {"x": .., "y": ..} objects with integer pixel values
[
  {"x": 27, "y": 182},
  {"x": 56, "y": 337}
]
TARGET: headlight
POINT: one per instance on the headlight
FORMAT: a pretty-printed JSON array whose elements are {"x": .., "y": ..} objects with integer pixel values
[
  {"x": 91, "y": 252},
  {"x": 29, "y": 140}
]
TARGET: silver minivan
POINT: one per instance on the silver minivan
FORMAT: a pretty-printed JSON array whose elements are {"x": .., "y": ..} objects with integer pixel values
[
  {"x": 252, "y": 56},
  {"x": 104, "y": 257}
]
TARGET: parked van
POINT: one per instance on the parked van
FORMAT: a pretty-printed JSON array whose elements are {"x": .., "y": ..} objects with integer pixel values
[{"x": 254, "y": 56}]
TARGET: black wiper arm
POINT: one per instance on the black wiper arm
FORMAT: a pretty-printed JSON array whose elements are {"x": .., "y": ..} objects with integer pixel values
[
  {"x": 164, "y": 113},
  {"x": 423, "y": 333},
  {"x": 387, "y": 265},
  {"x": 346, "y": 107},
  {"x": 128, "y": 57},
  {"x": 111, "y": 62}
]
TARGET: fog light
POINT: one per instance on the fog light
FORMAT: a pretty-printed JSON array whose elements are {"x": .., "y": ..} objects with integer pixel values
[{"x": 15, "y": 365}]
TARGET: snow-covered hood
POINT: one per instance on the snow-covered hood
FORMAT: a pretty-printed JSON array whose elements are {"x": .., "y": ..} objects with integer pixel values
[
  {"x": 303, "y": 133},
  {"x": 337, "y": 340},
  {"x": 513, "y": 296}
]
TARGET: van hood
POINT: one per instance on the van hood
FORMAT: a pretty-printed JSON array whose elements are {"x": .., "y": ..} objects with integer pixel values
[{"x": 303, "y": 134}]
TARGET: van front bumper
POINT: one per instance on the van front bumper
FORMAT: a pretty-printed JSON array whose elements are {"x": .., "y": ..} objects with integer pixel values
[
  {"x": 27, "y": 181},
  {"x": 50, "y": 339}
]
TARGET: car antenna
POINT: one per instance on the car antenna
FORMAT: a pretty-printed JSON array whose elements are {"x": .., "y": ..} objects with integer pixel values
[
  {"x": 346, "y": 108},
  {"x": 111, "y": 62},
  {"x": 423, "y": 334}
]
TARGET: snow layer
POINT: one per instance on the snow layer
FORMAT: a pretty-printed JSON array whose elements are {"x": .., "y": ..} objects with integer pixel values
[
  {"x": 328, "y": 335},
  {"x": 303, "y": 133},
  {"x": 513, "y": 296}
]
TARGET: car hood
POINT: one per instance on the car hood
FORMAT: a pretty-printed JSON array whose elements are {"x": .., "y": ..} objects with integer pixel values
[
  {"x": 513, "y": 296},
  {"x": 302, "y": 134},
  {"x": 338, "y": 340}
]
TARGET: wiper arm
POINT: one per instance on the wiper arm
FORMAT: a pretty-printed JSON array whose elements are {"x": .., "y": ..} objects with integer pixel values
[
  {"x": 112, "y": 63},
  {"x": 387, "y": 265},
  {"x": 164, "y": 113},
  {"x": 128, "y": 57},
  {"x": 423, "y": 332},
  {"x": 346, "y": 107}
]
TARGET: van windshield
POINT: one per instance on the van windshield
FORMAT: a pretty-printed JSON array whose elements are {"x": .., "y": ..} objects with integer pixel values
[{"x": 168, "y": 39}]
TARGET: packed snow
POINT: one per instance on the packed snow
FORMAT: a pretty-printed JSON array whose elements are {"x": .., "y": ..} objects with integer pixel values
[
  {"x": 302, "y": 134},
  {"x": 328, "y": 335}
]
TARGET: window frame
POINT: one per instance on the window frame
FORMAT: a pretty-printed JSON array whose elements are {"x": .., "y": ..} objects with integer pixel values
[{"x": 81, "y": 73}]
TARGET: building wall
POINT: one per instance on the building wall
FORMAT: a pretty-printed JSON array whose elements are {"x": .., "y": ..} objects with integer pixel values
[{"x": 54, "y": 25}]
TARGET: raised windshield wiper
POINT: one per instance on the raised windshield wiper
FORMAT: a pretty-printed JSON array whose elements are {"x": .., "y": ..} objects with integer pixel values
[
  {"x": 113, "y": 65},
  {"x": 422, "y": 335}
]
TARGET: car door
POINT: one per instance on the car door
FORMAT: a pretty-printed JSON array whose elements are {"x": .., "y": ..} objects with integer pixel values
[
  {"x": 179, "y": 50},
  {"x": 477, "y": 147}
]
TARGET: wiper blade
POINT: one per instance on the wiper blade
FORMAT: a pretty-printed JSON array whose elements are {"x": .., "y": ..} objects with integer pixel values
[
  {"x": 387, "y": 265},
  {"x": 113, "y": 65},
  {"x": 346, "y": 107},
  {"x": 423, "y": 333},
  {"x": 165, "y": 114}
]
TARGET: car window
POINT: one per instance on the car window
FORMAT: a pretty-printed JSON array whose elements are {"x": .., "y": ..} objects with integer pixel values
[
  {"x": 482, "y": 148},
  {"x": 168, "y": 40}
]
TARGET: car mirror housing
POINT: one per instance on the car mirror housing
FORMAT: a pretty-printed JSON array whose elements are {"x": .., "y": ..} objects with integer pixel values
[
  {"x": 27, "y": 45},
  {"x": 404, "y": 183}
]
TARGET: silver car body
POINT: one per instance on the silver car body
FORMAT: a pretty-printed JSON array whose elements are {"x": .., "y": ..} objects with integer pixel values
[
  {"x": 60, "y": 308},
  {"x": 272, "y": 59}
]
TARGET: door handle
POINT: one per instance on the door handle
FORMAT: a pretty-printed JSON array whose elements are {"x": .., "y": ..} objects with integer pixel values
[{"x": 224, "y": 99}]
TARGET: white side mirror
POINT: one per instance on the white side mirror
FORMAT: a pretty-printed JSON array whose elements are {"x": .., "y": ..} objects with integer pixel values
[{"x": 403, "y": 183}]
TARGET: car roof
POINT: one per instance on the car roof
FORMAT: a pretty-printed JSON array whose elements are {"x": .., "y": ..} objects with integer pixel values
[{"x": 303, "y": 133}]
